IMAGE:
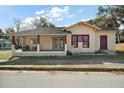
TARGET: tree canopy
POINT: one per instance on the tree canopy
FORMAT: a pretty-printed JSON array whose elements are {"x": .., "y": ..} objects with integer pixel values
[
  {"x": 42, "y": 22},
  {"x": 109, "y": 17},
  {"x": 17, "y": 23},
  {"x": 7, "y": 32}
]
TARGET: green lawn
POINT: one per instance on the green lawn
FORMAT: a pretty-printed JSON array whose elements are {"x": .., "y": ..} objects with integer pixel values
[
  {"x": 5, "y": 56},
  {"x": 120, "y": 56}
]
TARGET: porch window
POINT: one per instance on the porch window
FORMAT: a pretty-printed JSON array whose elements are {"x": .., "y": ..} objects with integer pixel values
[
  {"x": 34, "y": 41},
  {"x": 75, "y": 41},
  {"x": 85, "y": 41},
  {"x": 4, "y": 44}
]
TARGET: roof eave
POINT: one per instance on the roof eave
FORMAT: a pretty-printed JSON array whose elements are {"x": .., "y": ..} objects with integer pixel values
[
  {"x": 94, "y": 27},
  {"x": 37, "y": 34}
]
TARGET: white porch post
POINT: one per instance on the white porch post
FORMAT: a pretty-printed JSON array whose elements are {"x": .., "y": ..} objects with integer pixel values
[
  {"x": 38, "y": 47},
  {"x": 38, "y": 44},
  {"x": 13, "y": 45},
  {"x": 65, "y": 44}
]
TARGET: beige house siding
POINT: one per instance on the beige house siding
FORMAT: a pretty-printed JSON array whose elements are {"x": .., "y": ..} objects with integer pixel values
[
  {"x": 82, "y": 30},
  {"x": 23, "y": 40},
  {"x": 111, "y": 39},
  {"x": 45, "y": 41},
  {"x": 94, "y": 39}
]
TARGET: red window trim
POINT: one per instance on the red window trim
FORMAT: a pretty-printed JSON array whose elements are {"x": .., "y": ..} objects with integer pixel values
[
  {"x": 76, "y": 41},
  {"x": 83, "y": 41}
]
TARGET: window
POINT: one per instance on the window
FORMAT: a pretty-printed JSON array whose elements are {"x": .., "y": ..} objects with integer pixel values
[
  {"x": 85, "y": 41},
  {"x": 58, "y": 43},
  {"x": 75, "y": 41},
  {"x": 9, "y": 45},
  {"x": 79, "y": 38},
  {"x": 61, "y": 43},
  {"x": 34, "y": 41},
  {"x": 4, "y": 44}
]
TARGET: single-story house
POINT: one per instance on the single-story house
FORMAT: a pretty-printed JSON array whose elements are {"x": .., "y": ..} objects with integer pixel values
[
  {"x": 5, "y": 44},
  {"x": 57, "y": 41}
]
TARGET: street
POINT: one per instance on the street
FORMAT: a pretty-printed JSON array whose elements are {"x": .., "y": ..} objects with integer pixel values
[{"x": 59, "y": 79}]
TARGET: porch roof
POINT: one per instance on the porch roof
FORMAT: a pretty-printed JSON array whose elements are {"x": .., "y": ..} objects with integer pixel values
[{"x": 42, "y": 31}]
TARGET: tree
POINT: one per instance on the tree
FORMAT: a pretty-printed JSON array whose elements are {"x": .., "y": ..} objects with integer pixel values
[
  {"x": 17, "y": 23},
  {"x": 1, "y": 33},
  {"x": 109, "y": 14},
  {"x": 109, "y": 17},
  {"x": 7, "y": 32},
  {"x": 103, "y": 22},
  {"x": 115, "y": 15},
  {"x": 42, "y": 22}
]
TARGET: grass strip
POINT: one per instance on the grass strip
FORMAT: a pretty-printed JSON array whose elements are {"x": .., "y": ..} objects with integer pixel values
[{"x": 63, "y": 68}]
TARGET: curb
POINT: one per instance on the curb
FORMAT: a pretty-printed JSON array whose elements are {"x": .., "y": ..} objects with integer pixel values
[{"x": 63, "y": 67}]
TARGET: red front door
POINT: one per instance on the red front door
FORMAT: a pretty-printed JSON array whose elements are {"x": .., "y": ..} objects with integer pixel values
[{"x": 103, "y": 42}]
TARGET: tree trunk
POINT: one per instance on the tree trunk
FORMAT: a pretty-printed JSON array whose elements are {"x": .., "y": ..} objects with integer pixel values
[
  {"x": 118, "y": 37},
  {"x": 114, "y": 27}
]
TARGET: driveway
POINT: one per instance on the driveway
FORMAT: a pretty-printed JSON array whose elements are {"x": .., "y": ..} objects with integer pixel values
[{"x": 54, "y": 79}]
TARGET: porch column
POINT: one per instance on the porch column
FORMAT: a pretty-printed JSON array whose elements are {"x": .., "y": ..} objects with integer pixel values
[
  {"x": 38, "y": 43},
  {"x": 13, "y": 45},
  {"x": 65, "y": 38}
]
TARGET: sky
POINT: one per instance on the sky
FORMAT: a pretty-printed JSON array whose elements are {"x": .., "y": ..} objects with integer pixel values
[{"x": 60, "y": 15}]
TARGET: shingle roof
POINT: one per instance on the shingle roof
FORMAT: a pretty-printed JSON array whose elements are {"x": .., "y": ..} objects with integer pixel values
[
  {"x": 42, "y": 31},
  {"x": 85, "y": 23},
  {"x": 92, "y": 26}
]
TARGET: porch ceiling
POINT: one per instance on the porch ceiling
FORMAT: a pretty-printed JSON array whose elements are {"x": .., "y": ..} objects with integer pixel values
[{"x": 42, "y": 31}]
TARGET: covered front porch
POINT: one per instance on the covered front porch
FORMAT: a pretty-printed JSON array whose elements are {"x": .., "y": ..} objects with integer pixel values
[{"x": 39, "y": 44}]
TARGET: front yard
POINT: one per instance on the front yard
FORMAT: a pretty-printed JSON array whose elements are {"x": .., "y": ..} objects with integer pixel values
[
  {"x": 6, "y": 55},
  {"x": 119, "y": 56}
]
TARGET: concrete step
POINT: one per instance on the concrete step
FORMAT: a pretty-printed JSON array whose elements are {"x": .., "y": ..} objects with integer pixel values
[{"x": 110, "y": 52}]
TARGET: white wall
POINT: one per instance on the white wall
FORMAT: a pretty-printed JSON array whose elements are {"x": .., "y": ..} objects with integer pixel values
[
  {"x": 94, "y": 39},
  {"x": 111, "y": 39},
  {"x": 82, "y": 30}
]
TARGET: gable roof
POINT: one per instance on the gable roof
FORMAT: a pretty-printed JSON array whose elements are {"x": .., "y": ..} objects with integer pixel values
[
  {"x": 54, "y": 30},
  {"x": 42, "y": 31},
  {"x": 84, "y": 23}
]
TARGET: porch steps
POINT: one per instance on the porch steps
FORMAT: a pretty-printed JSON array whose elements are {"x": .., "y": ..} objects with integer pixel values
[{"x": 109, "y": 52}]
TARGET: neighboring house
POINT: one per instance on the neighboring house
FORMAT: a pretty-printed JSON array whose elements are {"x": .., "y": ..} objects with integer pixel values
[
  {"x": 5, "y": 44},
  {"x": 76, "y": 39}
]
